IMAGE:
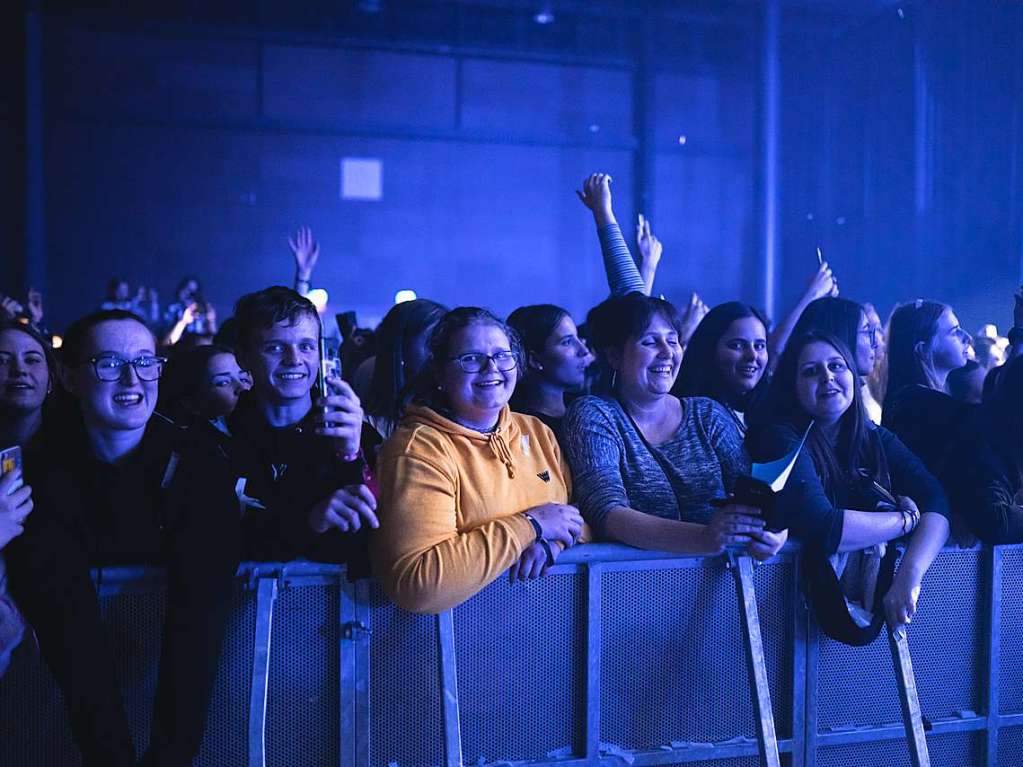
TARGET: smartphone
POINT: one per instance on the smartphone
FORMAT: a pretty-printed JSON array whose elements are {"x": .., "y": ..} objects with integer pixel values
[
  {"x": 10, "y": 460},
  {"x": 330, "y": 365}
]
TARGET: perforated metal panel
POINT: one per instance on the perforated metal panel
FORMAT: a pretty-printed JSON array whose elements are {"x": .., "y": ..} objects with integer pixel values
[
  {"x": 225, "y": 741},
  {"x": 405, "y": 704},
  {"x": 521, "y": 669},
  {"x": 674, "y": 666},
  {"x": 1010, "y": 677},
  {"x": 302, "y": 706},
  {"x": 32, "y": 708},
  {"x": 1010, "y": 747},
  {"x": 856, "y": 685},
  {"x": 961, "y": 749},
  {"x": 134, "y": 625}
]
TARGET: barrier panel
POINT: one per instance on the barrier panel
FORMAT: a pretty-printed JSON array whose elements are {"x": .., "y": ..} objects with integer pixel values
[{"x": 617, "y": 656}]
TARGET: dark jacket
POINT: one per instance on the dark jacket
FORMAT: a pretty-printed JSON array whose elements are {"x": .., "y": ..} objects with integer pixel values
[
  {"x": 984, "y": 490},
  {"x": 933, "y": 425},
  {"x": 814, "y": 513},
  {"x": 287, "y": 471}
]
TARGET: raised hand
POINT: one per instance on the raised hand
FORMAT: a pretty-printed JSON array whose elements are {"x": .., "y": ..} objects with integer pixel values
[
  {"x": 9, "y": 308},
  {"x": 596, "y": 195},
  {"x": 346, "y": 509},
  {"x": 650, "y": 249},
  {"x": 692, "y": 316},
  {"x": 823, "y": 283},
  {"x": 306, "y": 251}
]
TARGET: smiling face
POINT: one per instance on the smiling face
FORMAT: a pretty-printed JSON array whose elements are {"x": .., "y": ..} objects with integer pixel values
[
  {"x": 24, "y": 376},
  {"x": 949, "y": 348},
  {"x": 648, "y": 363},
  {"x": 565, "y": 357},
  {"x": 824, "y": 382},
  {"x": 477, "y": 398},
  {"x": 741, "y": 355},
  {"x": 127, "y": 403},
  {"x": 284, "y": 360}
]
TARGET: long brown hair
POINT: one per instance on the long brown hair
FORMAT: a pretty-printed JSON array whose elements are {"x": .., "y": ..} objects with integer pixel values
[{"x": 836, "y": 463}]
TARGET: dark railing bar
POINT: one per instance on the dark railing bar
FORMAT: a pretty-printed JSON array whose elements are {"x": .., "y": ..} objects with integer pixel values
[
  {"x": 364, "y": 681},
  {"x": 347, "y": 675},
  {"x": 449, "y": 690},
  {"x": 898, "y": 732},
  {"x": 594, "y": 574}
]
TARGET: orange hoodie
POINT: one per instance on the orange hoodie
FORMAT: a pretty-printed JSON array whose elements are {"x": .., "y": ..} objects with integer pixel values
[{"x": 451, "y": 503}]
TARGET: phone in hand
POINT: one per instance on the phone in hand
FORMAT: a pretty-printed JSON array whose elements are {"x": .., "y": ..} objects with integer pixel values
[{"x": 10, "y": 460}]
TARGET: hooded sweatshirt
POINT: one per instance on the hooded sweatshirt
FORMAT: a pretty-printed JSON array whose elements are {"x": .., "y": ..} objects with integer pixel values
[{"x": 452, "y": 501}]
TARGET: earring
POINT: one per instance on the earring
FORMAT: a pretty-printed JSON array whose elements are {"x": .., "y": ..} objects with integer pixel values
[
  {"x": 539, "y": 367},
  {"x": 614, "y": 378}
]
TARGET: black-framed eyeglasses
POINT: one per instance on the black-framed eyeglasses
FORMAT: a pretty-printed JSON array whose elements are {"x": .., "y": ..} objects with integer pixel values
[
  {"x": 110, "y": 367},
  {"x": 871, "y": 334},
  {"x": 474, "y": 362}
]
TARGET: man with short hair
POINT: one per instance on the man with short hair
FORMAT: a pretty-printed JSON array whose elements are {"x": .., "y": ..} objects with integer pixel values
[{"x": 300, "y": 458}]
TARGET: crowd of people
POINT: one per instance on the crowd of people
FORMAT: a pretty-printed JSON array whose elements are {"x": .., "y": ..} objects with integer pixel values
[{"x": 461, "y": 446}]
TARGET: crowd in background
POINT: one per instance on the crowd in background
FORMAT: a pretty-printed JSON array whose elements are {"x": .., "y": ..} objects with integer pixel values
[{"x": 458, "y": 446}]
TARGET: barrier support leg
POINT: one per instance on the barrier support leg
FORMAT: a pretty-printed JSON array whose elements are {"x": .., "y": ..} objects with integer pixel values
[
  {"x": 767, "y": 739},
  {"x": 449, "y": 690},
  {"x": 912, "y": 719},
  {"x": 266, "y": 595}
]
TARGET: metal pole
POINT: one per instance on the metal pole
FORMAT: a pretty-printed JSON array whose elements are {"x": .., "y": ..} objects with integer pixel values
[
  {"x": 909, "y": 701},
  {"x": 767, "y": 738}
]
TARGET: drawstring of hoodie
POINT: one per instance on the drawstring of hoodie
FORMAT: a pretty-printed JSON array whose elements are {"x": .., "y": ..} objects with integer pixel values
[{"x": 500, "y": 449}]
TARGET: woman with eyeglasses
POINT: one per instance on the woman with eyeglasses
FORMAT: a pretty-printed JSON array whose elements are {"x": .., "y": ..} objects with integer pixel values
[
  {"x": 555, "y": 362},
  {"x": 114, "y": 485},
  {"x": 925, "y": 344},
  {"x": 468, "y": 489},
  {"x": 650, "y": 469}
]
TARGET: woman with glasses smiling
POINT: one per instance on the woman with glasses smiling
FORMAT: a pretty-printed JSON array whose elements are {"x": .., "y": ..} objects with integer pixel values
[
  {"x": 468, "y": 489},
  {"x": 114, "y": 485}
]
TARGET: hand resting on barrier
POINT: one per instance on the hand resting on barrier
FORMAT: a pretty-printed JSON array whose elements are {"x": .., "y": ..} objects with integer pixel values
[{"x": 346, "y": 509}]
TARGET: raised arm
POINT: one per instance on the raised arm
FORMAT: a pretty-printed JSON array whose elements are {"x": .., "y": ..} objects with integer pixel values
[
  {"x": 306, "y": 251},
  {"x": 650, "y": 250},
  {"x": 823, "y": 283},
  {"x": 1016, "y": 332},
  {"x": 623, "y": 275}
]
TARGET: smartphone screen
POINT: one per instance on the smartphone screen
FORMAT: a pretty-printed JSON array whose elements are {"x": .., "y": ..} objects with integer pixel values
[{"x": 10, "y": 460}]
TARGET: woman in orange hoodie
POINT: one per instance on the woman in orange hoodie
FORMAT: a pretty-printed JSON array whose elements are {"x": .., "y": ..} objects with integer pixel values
[{"x": 468, "y": 489}]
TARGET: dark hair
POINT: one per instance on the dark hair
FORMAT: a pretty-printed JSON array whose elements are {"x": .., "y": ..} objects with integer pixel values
[
  {"x": 31, "y": 332},
  {"x": 839, "y": 317},
  {"x": 910, "y": 324},
  {"x": 184, "y": 374},
  {"x": 72, "y": 351},
  {"x": 422, "y": 390},
  {"x": 400, "y": 325},
  {"x": 698, "y": 376},
  {"x": 612, "y": 322},
  {"x": 264, "y": 309},
  {"x": 853, "y": 450},
  {"x": 184, "y": 282},
  {"x": 958, "y": 385}
]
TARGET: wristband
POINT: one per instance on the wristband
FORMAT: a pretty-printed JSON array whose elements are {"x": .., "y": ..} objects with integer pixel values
[
  {"x": 536, "y": 527},
  {"x": 349, "y": 457},
  {"x": 547, "y": 550}
]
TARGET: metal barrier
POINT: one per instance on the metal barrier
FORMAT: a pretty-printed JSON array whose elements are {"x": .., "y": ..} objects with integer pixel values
[{"x": 617, "y": 656}]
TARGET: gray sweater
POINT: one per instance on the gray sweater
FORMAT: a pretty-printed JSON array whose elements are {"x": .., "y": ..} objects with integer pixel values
[{"x": 611, "y": 465}]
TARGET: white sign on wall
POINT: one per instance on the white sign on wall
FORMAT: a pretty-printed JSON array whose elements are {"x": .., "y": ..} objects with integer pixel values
[{"x": 361, "y": 178}]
